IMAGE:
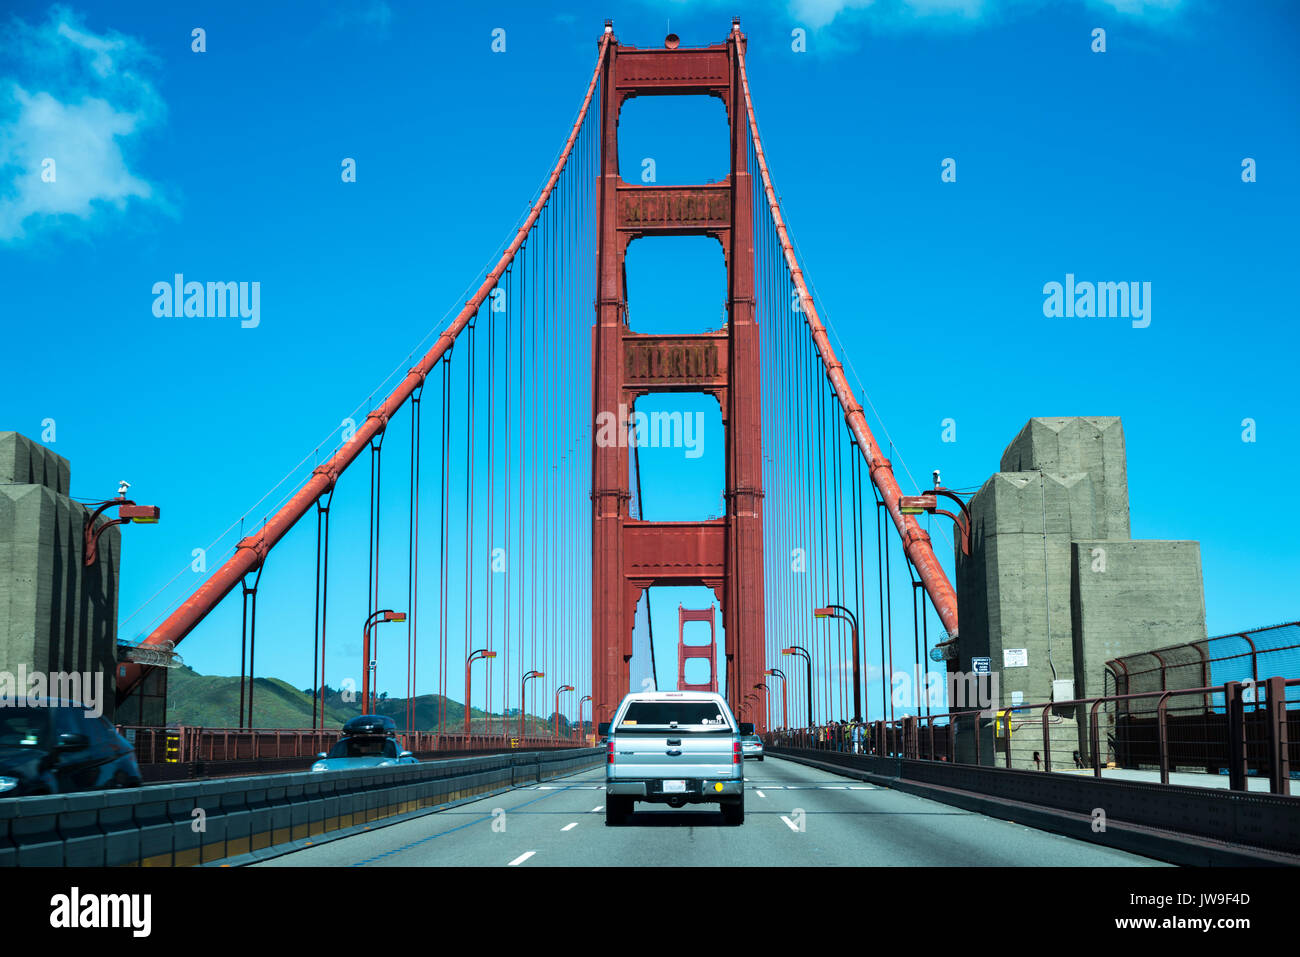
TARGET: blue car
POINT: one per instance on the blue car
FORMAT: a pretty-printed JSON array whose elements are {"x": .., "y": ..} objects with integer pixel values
[
  {"x": 369, "y": 741},
  {"x": 54, "y": 746}
]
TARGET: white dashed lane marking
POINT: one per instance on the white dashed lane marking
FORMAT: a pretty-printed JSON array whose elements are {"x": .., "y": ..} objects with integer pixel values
[
  {"x": 569, "y": 827},
  {"x": 818, "y": 787},
  {"x": 521, "y": 858},
  {"x": 790, "y": 824}
]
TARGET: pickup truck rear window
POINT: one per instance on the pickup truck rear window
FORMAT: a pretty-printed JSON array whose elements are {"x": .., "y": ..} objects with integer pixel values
[{"x": 689, "y": 715}]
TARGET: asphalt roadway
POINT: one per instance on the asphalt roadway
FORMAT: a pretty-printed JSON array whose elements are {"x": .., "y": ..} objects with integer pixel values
[{"x": 794, "y": 816}]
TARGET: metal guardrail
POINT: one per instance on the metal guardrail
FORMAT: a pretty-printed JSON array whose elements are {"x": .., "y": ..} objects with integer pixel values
[
  {"x": 1241, "y": 730},
  {"x": 241, "y": 820}
]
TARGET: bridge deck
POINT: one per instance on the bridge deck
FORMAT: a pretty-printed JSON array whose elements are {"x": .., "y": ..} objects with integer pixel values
[{"x": 845, "y": 823}]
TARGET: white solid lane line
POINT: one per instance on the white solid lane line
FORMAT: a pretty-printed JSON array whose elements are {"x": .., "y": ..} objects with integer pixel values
[
  {"x": 569, "y": 827},
  {"x": 523, "y": 857},
  {"x": 790, "y": 824}
]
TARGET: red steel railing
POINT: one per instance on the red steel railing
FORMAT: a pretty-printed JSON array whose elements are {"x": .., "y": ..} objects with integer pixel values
[{"x": 183, "y": 745}]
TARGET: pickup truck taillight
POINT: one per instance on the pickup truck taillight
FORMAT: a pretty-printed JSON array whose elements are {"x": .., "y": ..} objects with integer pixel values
[
  {"x": 735, "y": 753},
  {"x": 610, "y": 753}
]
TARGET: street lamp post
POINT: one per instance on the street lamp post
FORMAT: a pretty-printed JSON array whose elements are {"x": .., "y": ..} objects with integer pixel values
[
  {"x": 796, "y": 650},
  {"x": 473, "y": 657},
  {"x": 387, "y": 614},
  {"x": 778, "y": 673},
  {"x": 767, "y": 701},
  {"x": 842, "y": 613},
  {"x": 556, "y": 723},
  {"x": 582, "y": 728},
  {"x": 523, "y": 699}
]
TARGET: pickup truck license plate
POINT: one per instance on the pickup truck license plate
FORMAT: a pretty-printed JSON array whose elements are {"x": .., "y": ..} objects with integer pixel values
[{"x": 674, "y": 787}]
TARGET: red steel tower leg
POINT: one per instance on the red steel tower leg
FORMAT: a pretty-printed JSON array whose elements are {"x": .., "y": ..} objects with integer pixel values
[
  {"x": 743, "y": 611},
  {"x": 611, "y": 626},
  {"x": 629, "y": 555}
]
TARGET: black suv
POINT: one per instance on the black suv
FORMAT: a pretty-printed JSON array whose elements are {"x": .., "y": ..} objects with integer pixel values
[{"x": 51, "y": 746}]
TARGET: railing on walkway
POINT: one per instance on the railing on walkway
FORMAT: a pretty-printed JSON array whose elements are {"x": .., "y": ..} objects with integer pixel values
[
  {"x": 1239, "y": 730},
  {"x": 1236, "y": 657},
  {"x": 183, "y": 745}
]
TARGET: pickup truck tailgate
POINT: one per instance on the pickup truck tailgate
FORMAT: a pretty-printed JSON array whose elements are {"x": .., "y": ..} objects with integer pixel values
[{"x": 685, "y": 755}]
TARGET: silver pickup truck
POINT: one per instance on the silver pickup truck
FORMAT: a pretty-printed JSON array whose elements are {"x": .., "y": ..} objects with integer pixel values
[{"x": 674, "y": 748}]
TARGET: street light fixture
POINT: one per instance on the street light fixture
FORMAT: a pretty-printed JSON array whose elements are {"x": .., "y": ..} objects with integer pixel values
[
  {"x": 127, "y": 511},
  {"x": 796, "y": 650},
  {"x": 778, "y": 673},
  {"x": 582, "y": 728},
  {"x": 556, "y": 722},
  {"x": 928, "y": 502},
  {"x": 842, "y": 613},
  {"x": 473, "y": 657},
  {"x": 367, "y": 691},
  {"x": 523, "y": 699}
]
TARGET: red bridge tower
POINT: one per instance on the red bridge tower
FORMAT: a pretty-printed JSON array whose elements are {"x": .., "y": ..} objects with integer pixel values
[
  {"x": 726, "y": 554},
  {"x": 709, "y": 652}
]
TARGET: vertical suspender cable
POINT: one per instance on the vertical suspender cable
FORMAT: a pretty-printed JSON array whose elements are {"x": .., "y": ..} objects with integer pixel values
[
  {"x": 886, "y": 677},
  {"x": 443, "y": 510},
  {"x": 468, "y": 563},
  {"x": 372, "y": 598},
  {"x": 489, "y": 570},
  {"x": 505, "y": 491},
  {"x": 413, "y": 560},
  {"x": 322, "y": 595}
]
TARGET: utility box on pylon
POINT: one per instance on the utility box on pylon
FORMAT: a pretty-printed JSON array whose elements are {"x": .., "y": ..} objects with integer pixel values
[{"x": 685, "y": 651}]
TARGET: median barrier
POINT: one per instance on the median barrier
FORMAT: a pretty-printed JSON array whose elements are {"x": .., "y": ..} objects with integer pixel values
[{"x": 239, "y": 820}]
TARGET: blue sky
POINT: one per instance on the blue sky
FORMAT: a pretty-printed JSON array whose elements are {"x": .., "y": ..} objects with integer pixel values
[{"x": 1117, "y": 166}]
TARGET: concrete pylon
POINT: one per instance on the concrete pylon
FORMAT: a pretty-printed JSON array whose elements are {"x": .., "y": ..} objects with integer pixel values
[
  {"x": 1054, "y": 588},
  {"x": 56, "y": 615}
]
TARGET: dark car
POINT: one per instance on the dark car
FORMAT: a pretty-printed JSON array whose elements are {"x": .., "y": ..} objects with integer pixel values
[
  {"x": 369, "y": 741},
  {"x": 51, "y": 746}
]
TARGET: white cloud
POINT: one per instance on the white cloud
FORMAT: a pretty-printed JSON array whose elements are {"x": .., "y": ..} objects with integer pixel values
[
  {"x": 1140, "y": 7},
  {"x": 899, "y": 13},
  {"x": 374, "y": 14},
  {"x": 818, "y": 13},
  {"x": 74, "y": 97}
]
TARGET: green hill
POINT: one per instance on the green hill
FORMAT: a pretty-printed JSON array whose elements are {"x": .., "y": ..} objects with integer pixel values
[{"x": 212, "y": 701}]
